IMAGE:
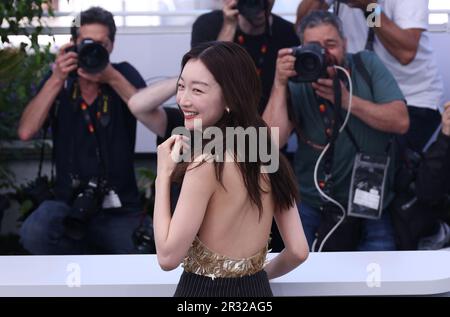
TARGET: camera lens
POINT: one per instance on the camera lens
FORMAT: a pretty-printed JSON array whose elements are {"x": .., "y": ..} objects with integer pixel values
[
  {"x": 93, "y": 57},
  {"x": 310, "y": 63}
]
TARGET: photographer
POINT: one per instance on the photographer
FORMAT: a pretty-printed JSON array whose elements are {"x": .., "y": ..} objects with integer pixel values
[
  {"x": 377, "y": 112},
  {"x": 96, "y": 207},
  {"x": 402, "y": 43},
  {"x": 252, "y": 25}
]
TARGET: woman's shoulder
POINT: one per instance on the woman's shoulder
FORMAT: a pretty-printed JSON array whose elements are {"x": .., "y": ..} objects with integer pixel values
[{"x": 201, "y": 166}]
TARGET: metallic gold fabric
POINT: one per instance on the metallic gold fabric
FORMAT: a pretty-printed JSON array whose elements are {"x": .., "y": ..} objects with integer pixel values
[{"x": 202, "y": 261}]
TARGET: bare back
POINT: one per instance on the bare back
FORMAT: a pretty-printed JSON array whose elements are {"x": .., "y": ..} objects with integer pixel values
[{"x": 231, "y": 225}]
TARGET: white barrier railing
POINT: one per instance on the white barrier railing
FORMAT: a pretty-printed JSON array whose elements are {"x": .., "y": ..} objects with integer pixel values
[{"x": 323, "y": 274}]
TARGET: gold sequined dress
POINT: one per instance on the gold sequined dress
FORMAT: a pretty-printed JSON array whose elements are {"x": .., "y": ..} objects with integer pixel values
[{"x": 207, "y": 273}]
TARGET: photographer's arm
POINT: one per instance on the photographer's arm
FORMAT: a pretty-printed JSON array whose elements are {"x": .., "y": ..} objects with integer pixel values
[
  {"x": 230, "y": 21},
  {"x": 113, "y": 78},
  {"x": 402, "y": 43},
  {"x": 388, "y": 117},
  {"x": 37, "y": 110},
  {"x": 146, "y": 104},
  {"x": 121, "y": 85},
  {"x": 276, "y": 113}
]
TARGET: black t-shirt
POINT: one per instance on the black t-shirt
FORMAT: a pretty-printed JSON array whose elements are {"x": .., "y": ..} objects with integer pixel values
[
  {"x": 207, "y": 28},
  {"x": 75, "y": 148}
]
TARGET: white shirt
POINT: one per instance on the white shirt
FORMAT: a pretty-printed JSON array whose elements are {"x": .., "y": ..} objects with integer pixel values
[{"x": 420, "y": 81}]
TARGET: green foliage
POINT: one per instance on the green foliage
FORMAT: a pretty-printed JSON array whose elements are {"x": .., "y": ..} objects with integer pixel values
[
  {"x": 19, "y": 15},
  {"x": 21, "y": 68},
  {"x": 146, "y": 180},
  {"x": 20, "y": 75}
]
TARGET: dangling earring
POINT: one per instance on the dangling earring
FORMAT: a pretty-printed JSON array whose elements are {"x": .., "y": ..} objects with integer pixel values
[{"x": 227, "y": 109}]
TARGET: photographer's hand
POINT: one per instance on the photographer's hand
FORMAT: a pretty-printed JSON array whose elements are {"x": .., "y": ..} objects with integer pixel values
[
  {"x": 446, "y": 120},
  {"x": 65, "y": 63},
  {"x": 324, "y": 88},
  {"x": 113, "y": 78},
  {"x": 230, "y": 21},
  {"x": 285, "y": 67},
  {"x": 103, "y": 77},
  {"x": 276, "y": 113}
]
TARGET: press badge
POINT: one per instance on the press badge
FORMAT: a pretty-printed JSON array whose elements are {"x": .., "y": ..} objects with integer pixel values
[
  {"x": 111, "y": 200},
  {"x": 367, "y": 186}
]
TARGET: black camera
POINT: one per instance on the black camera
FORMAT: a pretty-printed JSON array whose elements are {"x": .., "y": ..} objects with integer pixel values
[
  {"x": 311, "y": 62},
  {"x": 250, "y": 9},
  {"x": 92, "y": 56},
  {"x": 86, "y": 204}
]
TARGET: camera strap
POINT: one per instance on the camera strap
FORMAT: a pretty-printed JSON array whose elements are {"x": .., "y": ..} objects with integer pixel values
[
  {"x": 45, "y": 128},
  {"x": 261, "y": 51},
  {"x": 362, "y": 70},
  {"x": 332, "y": 119}
]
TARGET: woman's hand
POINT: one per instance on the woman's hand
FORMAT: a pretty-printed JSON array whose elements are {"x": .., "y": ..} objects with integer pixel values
[{"x": 170, "y": 153}]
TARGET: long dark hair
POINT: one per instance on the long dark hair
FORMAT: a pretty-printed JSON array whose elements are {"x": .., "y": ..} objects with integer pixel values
[{"x": 235, "y": 72}]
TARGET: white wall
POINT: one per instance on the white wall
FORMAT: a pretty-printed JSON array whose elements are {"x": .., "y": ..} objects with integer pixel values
[
  {"x": 152, "y": 55},
  {"x": 160, "y": 55},
  {"x": 441, "y": 46}
]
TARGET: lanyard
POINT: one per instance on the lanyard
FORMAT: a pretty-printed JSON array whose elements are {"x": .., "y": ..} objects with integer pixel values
[
  {"x": 93, "y": 124},
  {"x": 262, "y": 51},
  {"x": 332, "y": 120}
]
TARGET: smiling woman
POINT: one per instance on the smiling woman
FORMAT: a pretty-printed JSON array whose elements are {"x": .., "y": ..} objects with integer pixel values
[
  {"x": 223, "y": 249},
  {"x": 199, "y": 99}
]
